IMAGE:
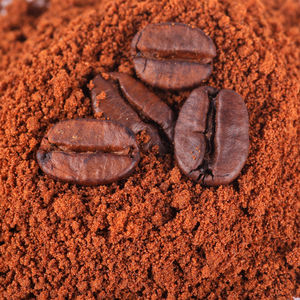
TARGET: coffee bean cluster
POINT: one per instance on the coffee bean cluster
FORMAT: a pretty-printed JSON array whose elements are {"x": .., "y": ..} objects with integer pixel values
[{"x": 210, "y": 136}]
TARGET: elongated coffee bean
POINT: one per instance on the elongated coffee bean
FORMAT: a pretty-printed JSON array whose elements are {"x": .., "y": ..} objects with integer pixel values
[
  {"x": 88, "y": 152},
  {"x": 172, "y": 55},
  {"x": 211, "y": 136},
  {"x": 131, "y": 109},
  {"x": 147, "y": 103}
]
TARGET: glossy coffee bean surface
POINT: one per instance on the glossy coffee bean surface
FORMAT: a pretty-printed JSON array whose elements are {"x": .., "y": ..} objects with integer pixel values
[
  {"x": 172, "y": 56},
  {"x": 88, "y": 152},
  {"x": 212, "y": 136},
  {"x": 129, "y": 102}
]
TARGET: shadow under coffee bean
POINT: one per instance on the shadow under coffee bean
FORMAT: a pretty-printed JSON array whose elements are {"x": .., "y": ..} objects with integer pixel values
[
  {"x": 121, "y": 98},
  {"x": 172, "y": 55},
  {"x": 88, "y": 152},
  {"x": 211, "y": 136}
]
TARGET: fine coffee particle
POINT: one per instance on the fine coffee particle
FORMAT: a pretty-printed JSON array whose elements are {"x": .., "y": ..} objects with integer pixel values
[{"x": 156, "y": 234}]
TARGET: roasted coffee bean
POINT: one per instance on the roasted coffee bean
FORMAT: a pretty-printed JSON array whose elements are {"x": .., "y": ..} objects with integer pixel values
[
  {"x": 147, "y": 103},
  {"x": 106, "y": 99},
  {"x": 134, "y": 108},
  {"x": 88, "y": 152},
  {"x": 172, "y": 55},
  {"x": 211, "y": 137}
]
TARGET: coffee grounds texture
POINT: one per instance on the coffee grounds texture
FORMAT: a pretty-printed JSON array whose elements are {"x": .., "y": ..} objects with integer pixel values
[{"x": 155, "y": 235}]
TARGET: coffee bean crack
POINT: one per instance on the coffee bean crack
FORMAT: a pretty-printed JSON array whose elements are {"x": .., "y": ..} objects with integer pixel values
[
  {"x": 127, "y": 151},
  {"x": 209, "y": 134}
]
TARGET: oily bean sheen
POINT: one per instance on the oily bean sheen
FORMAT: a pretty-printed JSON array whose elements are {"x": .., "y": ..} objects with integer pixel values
[
  {"x": 133, "y": 106},
  {"x": 88, "y": 152},
  {"x": 172, "y": 56},
  {"x": 147, "y": 103},
  {"x": 211, "y": 137}
]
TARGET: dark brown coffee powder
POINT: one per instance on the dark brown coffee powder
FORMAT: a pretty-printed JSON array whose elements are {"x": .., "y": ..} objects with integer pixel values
[{"x": 156, "y": 234}]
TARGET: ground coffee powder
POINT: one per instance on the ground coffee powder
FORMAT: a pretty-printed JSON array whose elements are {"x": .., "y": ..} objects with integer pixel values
[{"x": 156, "y": 234}]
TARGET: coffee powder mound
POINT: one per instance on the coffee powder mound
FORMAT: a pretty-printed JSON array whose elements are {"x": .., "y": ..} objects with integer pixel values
[{"x": 156, "y": 234}]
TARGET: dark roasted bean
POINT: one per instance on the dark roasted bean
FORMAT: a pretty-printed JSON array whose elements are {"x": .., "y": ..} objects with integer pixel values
[
  {"x": 147, "y": 103},
  {"x": 211, "y": 136},
  {"x": 131, "y": 109},
  {"x": 88, "y": 152},
  {"x": 172, "y": 55}
]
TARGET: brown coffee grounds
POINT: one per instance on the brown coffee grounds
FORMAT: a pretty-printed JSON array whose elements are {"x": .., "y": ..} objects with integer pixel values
[{"x": 156, "y": 234}]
